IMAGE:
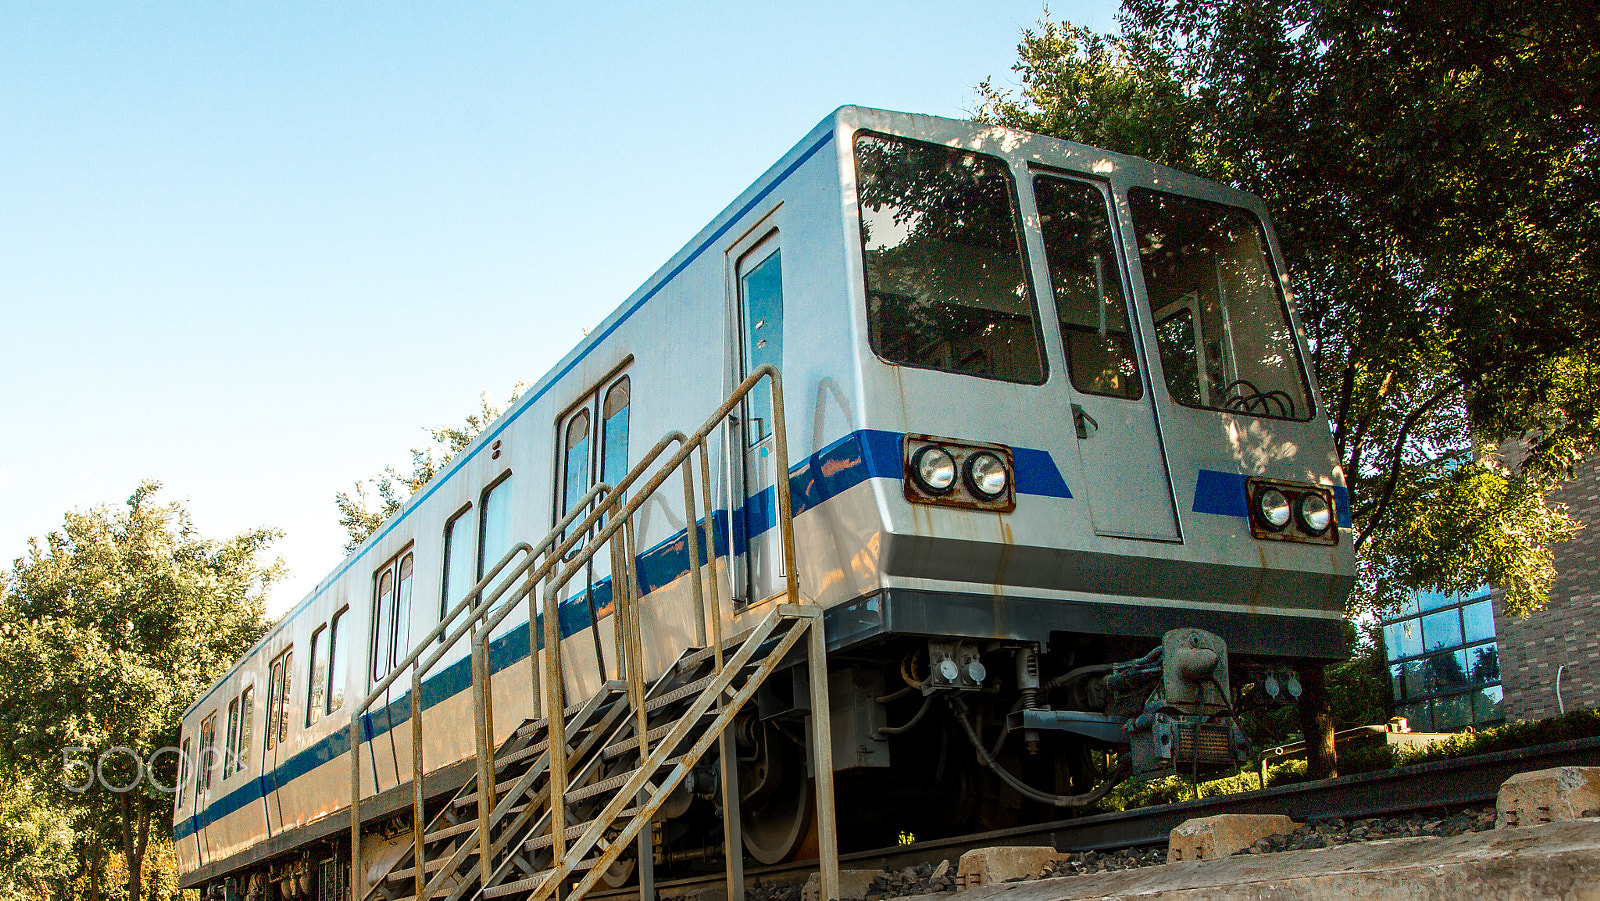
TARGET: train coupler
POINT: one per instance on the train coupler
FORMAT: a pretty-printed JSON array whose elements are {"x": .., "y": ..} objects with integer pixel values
[{"x": 1186, "y": 723}]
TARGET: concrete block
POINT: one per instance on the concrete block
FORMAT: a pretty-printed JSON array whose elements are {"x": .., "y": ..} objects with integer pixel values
[
  {"x": 1556, "y": 860},
  {"x": 1555, "y": 795},
  {"x": 1208, "y": 838},
  {"x": 987, "y": 866},
  {"x": 852, "y": 884}
]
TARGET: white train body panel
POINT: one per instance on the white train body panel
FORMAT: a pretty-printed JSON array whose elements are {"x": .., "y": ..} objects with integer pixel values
[{"x": 879, "y": 563}]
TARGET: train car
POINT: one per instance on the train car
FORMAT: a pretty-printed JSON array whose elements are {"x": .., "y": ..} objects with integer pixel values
[{"x": 1047, "y": 407}]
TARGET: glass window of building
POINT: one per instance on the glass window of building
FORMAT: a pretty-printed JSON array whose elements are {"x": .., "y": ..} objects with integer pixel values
[{"x": 1444, "y": 664}]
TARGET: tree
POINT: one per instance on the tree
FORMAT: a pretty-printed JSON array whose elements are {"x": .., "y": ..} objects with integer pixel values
[
  {"x": 390, "y": 489},
  {"x": 109, "y": 629},
  {"x": 35, "y": 841},
  {"x": 1433, "y": 172}
]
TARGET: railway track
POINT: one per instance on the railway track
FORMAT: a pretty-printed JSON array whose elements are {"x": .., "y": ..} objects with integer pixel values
[{"x": 1468, "y": 780}]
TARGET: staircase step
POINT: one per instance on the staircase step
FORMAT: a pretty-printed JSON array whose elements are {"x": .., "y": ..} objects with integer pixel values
[
  {"x": 575, "y": 832},
  {"x": 612, "y": 752},
  {"x": 532, "y": 882},
  {"x": 538, "y": 747},
  {"x": 611, "y": 784},
  {"x": 538, "y": 725},
  {"x": 434, "y": 866},
  {"x": 450, "y": 831}
]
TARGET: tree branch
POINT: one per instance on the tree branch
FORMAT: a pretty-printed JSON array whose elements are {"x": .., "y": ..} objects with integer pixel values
[
  {"x": 1341, "y": 431},
  {"x": 1400, "y": 440}
]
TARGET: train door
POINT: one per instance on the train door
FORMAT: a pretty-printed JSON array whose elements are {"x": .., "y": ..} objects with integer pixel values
[
  {"x": 1126, "y": 483},
  {"x": 208, "y": 766},
  {"x": 594, "y": 448},
  {"x": 276, "y": 729},
  {"x": 756, "y": 545}
]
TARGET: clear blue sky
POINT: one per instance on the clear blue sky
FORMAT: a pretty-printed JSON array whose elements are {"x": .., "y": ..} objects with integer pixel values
[{"x": 252, "y": 249}]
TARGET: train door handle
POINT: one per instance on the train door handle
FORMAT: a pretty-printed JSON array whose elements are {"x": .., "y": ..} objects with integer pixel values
[{"x": 1082, "y": 421}]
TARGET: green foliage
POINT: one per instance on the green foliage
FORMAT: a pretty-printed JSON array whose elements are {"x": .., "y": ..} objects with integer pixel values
[
  {"x": 35, "y": 841},
  {"x": 1434, "y": 173},
  {"x": 1358, "y": 685},
  {"x": 109, "y": 629},
  {"x": 371, "y": 502}
]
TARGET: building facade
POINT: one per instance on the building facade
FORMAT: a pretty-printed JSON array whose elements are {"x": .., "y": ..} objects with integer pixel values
[{"x": 1563, "y": 639}]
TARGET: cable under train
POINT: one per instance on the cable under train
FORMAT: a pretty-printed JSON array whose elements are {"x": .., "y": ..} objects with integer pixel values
[{"x": 1061, "y": 480}]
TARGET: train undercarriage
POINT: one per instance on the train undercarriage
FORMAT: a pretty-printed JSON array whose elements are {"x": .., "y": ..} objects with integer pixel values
[{"x": 930, "y": 738}]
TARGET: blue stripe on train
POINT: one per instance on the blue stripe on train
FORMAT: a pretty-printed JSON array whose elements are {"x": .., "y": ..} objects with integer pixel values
[
  {"x": 1224, "y": 494},
  {"x": 848, "y": 462}
]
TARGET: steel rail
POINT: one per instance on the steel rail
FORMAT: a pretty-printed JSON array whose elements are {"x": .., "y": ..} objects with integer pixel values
[{"x": 1423, "y": 786}]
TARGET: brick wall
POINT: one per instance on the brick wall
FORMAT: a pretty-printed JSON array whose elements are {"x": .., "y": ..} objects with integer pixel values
[{"x": 1567, "y": 630}]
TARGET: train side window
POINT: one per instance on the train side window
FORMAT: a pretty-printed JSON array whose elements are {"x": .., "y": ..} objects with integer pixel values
[
  {"x": 457, "y": 578},
  {"x": 241, "y": 754},
  {"x": 402, "y": 608},
  {"x": 761, "y": 296},
  {"x": 338, "y": 662},
  {"x": 185, "y": 770},
  {"x": 946, "y": 276},
  {"x": 382, "y": 620},
  {"x": 494, "y": 525},
  {"x": 207, "y": 761},
  {"x": 575, "y": 462},
  {"x": 1087, "y": 282},
  {"x": 614, "y": 432},
  {"x": 278, "y": 686},
  {"x": 231, "y": 743},
  {"x": 391, "y": 613},
  {"x": 1209, "y": 261},
  {"x": 317, "y": 678},
  {"x": 274, "y": 687},
  {"x": 590, "y": 454}
]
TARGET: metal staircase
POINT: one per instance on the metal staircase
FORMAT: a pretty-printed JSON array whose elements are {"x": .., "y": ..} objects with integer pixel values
[{"x": 563, "y": 798}]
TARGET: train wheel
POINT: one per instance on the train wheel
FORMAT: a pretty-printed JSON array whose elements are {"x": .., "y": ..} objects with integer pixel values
[
  {"x": 779, "y": 829},
  {"x": 619, "y": 873}
]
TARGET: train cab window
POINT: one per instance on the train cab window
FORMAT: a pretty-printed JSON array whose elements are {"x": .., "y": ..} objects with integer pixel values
[
  {"x": 457, "y": 578},
  {"x": 338, "y": 661},
  {"x": 279, "y": 684},
  {"x": 317, "y": 678},
  {"x": 207, "y": 761},
  {"x": 946, "y": 281},
  {"x": 1222, "y": 323},
  {"x": 494, "y": 525},
  {"x": 1087, "y": 282},
  {"x": 231, "y": 743}
]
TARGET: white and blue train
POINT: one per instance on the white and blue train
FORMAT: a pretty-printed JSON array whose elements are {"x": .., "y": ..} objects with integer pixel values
[{"x": 1046, "y": 404}]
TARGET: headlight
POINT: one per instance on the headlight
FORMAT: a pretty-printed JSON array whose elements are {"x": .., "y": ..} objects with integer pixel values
[
  {"x": 1274, "y": 509},
  {"x": 1315, "y": 515},
  {"x": 987, "y": 476},
  {"x": 935, "y": 469}
]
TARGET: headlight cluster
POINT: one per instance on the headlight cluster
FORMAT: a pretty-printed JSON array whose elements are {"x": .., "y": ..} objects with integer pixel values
[
  {"x": 959, "y": 474},
  {"x": 1291, "y": 511}
]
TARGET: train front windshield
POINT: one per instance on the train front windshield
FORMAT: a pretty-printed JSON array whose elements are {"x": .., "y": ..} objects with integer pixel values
[{"x": 947, "y": 285}]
